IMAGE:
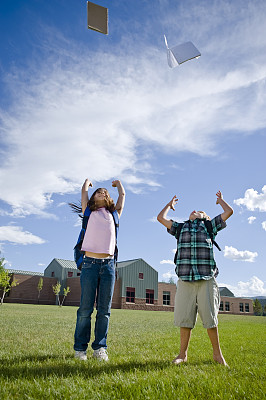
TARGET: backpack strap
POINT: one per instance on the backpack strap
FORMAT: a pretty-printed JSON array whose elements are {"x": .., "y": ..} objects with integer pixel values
[
  {"x": 85, "y": 218},
  {"x": 208, "y": 226},
  {"x": 178, "y": 231},
  {"x": 116, "y": 222}
]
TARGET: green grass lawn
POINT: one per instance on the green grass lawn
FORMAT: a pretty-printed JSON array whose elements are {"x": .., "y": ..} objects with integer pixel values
[{"x": 37, "y": 361}]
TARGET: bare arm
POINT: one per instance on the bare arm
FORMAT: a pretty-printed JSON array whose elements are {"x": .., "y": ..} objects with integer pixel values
[
  {"x": 121, "y": 196},
  {"x": 162, "y": 216},
  {"x": 84, "y": 194},
  {"x": 228, "y": 211}
]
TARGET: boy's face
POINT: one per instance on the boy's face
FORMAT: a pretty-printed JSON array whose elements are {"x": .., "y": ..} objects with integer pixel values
[{"x": 196, "y": 214}]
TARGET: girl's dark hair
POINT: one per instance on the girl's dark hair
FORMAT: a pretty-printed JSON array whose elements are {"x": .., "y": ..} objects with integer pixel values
[{"x": 110, "y": 206}]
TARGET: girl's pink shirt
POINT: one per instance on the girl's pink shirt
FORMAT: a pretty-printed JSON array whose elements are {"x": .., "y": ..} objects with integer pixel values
[{"x": 100, "y": 233}]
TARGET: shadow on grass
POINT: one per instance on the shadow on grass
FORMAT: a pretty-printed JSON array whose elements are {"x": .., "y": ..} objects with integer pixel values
[
  {"x": 66, "y": 366},
  {"x": 63, "y": 367}
]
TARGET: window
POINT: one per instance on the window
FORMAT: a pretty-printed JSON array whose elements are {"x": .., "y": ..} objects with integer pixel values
[
  {"x": 166, "y": 298},
  {"x": 130, "y": 295},
  {"x": 246, "y": 307},
  {"x": 70, "y": 274},
  {"x": 52, "y": 274},
  {"x": 241, "y": 307},
  {"x": 141, "y": 275},
  {"x": 149, "y": 296},
  {"x": 221, "y": 306},
  {"x": 227, "y": 306}
]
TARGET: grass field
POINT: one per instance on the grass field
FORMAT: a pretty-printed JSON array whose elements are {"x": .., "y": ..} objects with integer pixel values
[{"x": 37, "y": 358}]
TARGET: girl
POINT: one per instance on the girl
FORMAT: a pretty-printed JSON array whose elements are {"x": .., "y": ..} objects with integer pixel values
[{"x": 98, "y": 269}]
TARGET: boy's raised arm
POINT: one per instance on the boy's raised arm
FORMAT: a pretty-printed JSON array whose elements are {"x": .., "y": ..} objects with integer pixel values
[
  {"x": 228, "y": 211},
  {"x": 162, "y": 216}
]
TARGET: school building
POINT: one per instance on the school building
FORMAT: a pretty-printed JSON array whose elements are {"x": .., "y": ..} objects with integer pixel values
[{"x": 136, "y": 288}]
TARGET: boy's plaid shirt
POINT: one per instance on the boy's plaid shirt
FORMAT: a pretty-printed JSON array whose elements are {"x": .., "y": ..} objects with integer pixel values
[{"x": 195, "y": 258}]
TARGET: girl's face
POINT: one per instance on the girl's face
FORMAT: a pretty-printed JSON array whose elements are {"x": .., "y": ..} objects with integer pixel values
[
  {"x": 100, "y": 197},
  {"x": 196, "y": 214}
]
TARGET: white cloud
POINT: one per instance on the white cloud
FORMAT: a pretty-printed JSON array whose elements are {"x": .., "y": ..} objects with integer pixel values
[
  {"x": 63, "y": 203},
  {"x": 251, "y": 219},
  {"x": 263, "y": 225},
  {"x": 253, "y": 287},
  {"x": 167, "y": 262},
  {"x": 16, "y": 235},
  {"x": 169, "y": 275},
  {"x": 153, "y": 219},
  {"x": 78, "y": 222},
  {"x": 78, "y": 111},
  {"x": 252, "y": 200},
  {"x": 239, "y": 255}
]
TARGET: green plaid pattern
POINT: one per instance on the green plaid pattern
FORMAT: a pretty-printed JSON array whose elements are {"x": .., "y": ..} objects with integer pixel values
[{"x": 195, "y": 258}]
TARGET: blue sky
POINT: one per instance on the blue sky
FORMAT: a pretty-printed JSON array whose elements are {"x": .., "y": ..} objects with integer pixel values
[{"x": 75, "y": 103}]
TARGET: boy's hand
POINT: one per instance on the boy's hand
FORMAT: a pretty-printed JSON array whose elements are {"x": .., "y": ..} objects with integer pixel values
[
  {"x": 228, "y": 211},
  {"x": 173, "y": 202},
  {"x": 219, "y": 197}
]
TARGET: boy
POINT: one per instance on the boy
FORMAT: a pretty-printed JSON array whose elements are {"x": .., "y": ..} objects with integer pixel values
[{"x": 197, "y": 290}]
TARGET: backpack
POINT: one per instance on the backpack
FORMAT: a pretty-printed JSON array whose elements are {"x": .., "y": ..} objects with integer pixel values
[
  {"x": 78, "y": 253},
  {"x": 208, "y": 226}
]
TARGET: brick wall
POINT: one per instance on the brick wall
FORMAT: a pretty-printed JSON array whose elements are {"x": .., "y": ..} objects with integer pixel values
[
  {"x": 140, "y": 304},
  {"x": 234, "y": 305},
  {"x": 116, "y": 302},
  {"x": 166, "y": 287},
  {"x": 73, "y": 297},
  {"x": 26, "y": 291}
]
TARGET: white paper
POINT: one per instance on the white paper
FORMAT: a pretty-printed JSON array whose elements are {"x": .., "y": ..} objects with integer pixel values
[{"x": 181, "y": 53}]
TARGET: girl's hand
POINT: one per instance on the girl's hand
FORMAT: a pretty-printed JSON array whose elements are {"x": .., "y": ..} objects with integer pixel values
[
  {"x": 219, "y": 196},
  {"x": 173, "y": 202},
  {"x": 88, "y": 183},
  {"x": 115, "y": 183}
]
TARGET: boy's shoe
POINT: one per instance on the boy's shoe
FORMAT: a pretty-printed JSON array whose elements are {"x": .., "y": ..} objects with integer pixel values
[
  {"x": 81, "y": 355},
  {"x": 100, "y": 354}
]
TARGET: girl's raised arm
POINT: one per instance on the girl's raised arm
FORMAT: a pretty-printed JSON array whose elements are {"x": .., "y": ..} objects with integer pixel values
[
  {"x": 121, "y": 196},
  {"x": 84, "y": 194}
]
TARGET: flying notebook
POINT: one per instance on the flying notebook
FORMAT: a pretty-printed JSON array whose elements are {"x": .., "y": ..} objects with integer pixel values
[
  {"x": 181, "y": 53},
  {"x": 97, "y": 17}
]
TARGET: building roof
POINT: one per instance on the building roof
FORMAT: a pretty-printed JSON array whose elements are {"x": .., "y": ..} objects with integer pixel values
[
  {"x": 224, "y": 291},
  {"x": 72, "y": 265},
  {"x": 66, "y": 263},
  {"x": 20, "y": 272},
  {"x": 122, "y": 264}
]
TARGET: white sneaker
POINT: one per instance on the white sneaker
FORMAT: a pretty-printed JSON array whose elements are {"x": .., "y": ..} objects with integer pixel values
[
  {"x": 100, "y": 354},
  {"x": 81, "y": 355}
]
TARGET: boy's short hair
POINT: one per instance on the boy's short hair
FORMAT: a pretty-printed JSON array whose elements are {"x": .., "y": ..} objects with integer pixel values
[{"x": 205, "y": 216}]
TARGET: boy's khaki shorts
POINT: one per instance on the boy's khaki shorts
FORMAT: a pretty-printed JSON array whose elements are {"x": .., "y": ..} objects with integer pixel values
[{"x": 199, "y": 296}]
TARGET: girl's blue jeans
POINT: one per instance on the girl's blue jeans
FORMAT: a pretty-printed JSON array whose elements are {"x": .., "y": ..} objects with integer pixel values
[{"x": 97, "y": 280}]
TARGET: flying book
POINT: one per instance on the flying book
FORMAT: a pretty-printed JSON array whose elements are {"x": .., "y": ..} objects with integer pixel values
[
  {"x": 97, "y": 18},
  {"x": 181, "y": 53}
]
